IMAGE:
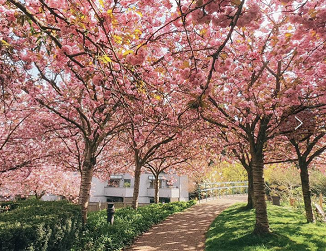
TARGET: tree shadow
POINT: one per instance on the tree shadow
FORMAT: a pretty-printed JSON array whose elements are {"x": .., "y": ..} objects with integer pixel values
[
  {"x": 250, "y": 241},
  {"x": 232, "y": 230}
]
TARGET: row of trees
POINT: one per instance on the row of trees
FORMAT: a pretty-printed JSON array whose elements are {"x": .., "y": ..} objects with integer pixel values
[{"x": 102, "y": 86}]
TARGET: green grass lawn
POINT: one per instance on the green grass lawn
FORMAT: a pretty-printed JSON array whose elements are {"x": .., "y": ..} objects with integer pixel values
[{"x": 232, "y": 230}]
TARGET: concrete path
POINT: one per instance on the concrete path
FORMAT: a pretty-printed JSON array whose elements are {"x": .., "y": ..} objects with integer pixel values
[{"x": 184, "y": 231}]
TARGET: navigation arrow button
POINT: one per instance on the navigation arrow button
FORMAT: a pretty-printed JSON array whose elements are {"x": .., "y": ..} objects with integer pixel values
[{"x": 299, "y": 124}]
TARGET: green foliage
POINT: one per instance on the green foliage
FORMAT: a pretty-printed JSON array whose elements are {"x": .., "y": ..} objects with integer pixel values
[
  {"x": 126, "y": 184},
  {"x": 283, "y": 179},
  {"x": 224, "y": 171},
  {"x": 128, "y": 224},
  {"x": 318, "y": 182},
  {"x": 286, "y": 182},
  {"x": 232, "y": 230},
  {"x": 39, "y": 225},
  {"x": 7, "y": 206}
]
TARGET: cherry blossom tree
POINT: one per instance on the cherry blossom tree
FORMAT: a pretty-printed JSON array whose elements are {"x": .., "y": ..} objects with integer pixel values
[
  {"x": 15, "y": 118},
  {"x": 307, "y": 138},
  {"x": 90, "y": 65},
  {"x": 232, "y": 147},
  {"x": 150, "y": 129},
  {"x": 174, "y": 157},
  {"x": 261, "y": 75},
  {"x": 83, "y": 77},
  {"x": 39, "y": 182},
  {"x": 23, "y": 142},
  {"x": 244, "y": 157},
  {"x": 92, "y": 58}
]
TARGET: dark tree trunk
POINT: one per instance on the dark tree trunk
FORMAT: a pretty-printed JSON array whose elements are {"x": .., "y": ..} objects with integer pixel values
[
  {"x": 136, "y": 186},
  {"x": 257, "y": 162},
  {"x": 38, "y": 196},
  {"x": 306, "y": 191},
  {"x": 247, "y": 164},
  {"x": 157, "y": 190},
  {"x": 85, "y": 188},
  {"x": 251, "y": 202},
  {"x": 262, "y": 225}
]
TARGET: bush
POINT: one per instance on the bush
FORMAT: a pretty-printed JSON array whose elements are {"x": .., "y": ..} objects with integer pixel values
[
  {"x": 286, "y": 182},
  {"x": 7, "y": 206},
  {"x": 39, "y": 225},
  {"x": 318, "y": 182},
  {"x": 128, "y": 224}
]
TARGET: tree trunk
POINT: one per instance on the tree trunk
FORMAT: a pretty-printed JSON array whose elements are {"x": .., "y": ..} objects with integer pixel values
[
  {"x": 157, "y": 190},
  {"x": 306, "y": 192},
  {"x": 136, "y": 186},
  {"x": 247, "y": 164},
  {"x": 251, "y": 202},
  {"x": 39, "y": 196},
  {"x": 262, "y": 225},
  {"x": 85, "y": 188}
]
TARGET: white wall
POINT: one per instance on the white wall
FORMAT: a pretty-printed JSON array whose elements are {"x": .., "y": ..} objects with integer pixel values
[
  {"x": 50, "y": 197},
  {"x": 184, "y": 193},
  {"x": 100, "y": 190},
  {"x": 97, "y": 190}
]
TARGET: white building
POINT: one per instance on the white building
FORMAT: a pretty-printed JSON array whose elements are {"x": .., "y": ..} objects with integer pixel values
[{"x": 120, "y": 189}]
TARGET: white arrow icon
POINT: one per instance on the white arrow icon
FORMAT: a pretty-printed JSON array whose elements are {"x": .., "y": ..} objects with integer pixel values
[{"x": 299, "y": 121}]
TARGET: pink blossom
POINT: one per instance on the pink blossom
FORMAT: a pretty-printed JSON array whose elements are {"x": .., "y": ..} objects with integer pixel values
[
  {"x": 66, "y": 49},
  {"x": 184, "y": 8},
  {"x": 97, "y": 79}
]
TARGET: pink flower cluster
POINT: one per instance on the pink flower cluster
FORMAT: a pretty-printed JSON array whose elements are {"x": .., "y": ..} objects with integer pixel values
[
  {"x": 137, "y": 59},
  {"x": 251, "y": 14}
]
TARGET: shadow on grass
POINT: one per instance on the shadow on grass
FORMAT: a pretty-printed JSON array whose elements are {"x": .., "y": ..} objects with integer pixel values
[{"x": 232, "y": 230}]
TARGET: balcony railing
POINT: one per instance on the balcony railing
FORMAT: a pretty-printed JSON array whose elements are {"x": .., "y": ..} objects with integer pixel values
[
  {"x": 164, "y": 192},
  {"x": 119, "y": 191}
]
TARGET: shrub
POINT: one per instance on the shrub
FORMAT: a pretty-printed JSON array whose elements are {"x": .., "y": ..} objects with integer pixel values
[
  {"x": 286, "y": 182},
  {"x": 318, "y": 182},
  {"x": 7, "y": 206},
  {"x": 40, "y": 225},
  {"x": 128, "y": 224}
]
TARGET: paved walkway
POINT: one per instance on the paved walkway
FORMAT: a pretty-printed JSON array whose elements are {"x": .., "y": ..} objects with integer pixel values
[{"x": 184, "y": 231}]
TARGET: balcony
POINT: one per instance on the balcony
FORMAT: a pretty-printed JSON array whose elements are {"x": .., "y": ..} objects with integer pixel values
[
  {"x": 118, "y": 191},
  {"x": 164, "y": 192}
]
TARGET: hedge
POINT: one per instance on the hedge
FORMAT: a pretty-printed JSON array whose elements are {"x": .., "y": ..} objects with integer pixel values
[
  {"x": 128, "y": 224},
  {"x": 40, "y": 225}
]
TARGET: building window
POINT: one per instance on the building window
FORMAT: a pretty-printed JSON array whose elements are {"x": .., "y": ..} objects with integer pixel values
[
  {"x": 127, "y": 183},
  {"x": 114, "y": 183},
  {"x": 161, "y": 200},
  {"x": 114, "y": 199}
]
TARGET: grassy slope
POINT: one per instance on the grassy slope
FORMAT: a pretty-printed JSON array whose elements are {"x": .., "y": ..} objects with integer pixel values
[{"x": 232, "y": 229}]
